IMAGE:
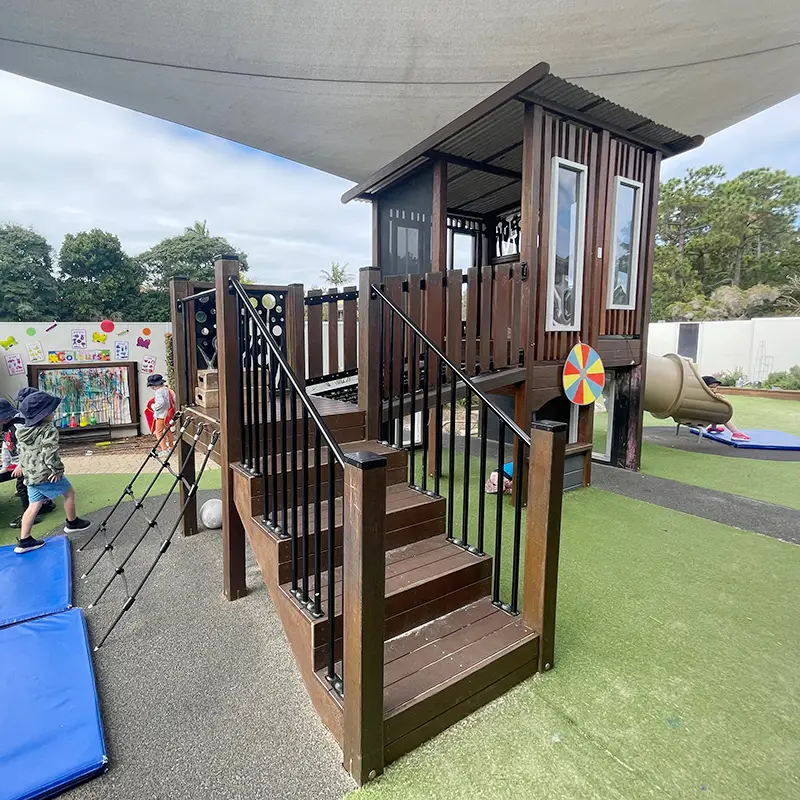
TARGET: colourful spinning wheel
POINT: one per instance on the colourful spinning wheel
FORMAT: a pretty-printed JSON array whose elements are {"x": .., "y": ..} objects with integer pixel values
[{"x": 584, "y": 375}]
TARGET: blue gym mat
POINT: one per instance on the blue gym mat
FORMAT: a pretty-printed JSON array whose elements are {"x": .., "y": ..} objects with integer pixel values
[
  {"x": 759, "y": 440},
  {"x": 51, "y": 736},
  {"x": 37, "y": 583}
]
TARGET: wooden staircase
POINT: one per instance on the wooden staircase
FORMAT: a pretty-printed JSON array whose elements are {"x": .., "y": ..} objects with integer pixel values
[{"x": 447, "y": 649}]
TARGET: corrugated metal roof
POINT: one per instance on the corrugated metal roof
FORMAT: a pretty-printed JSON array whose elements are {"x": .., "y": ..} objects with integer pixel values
[{"x": 492, "y": 135}]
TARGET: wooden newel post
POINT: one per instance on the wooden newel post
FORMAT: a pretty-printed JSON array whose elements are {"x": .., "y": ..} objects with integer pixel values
[
  {"x": 369, "y": 326},
  {"x": 363, "y": 613},
  {"x": 230, "y": 442},
  {"x": 543, "y": 534},
  {"x": 179, "y": 288},
  {"x": 296, "y": 330}
]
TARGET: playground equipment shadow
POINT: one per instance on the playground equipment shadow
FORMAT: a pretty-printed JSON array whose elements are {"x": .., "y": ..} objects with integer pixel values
[{"x": 200, "y": 697}]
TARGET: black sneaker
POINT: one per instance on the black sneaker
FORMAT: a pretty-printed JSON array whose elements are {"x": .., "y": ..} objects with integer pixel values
[
  {"x": 77, "y": 524},
  {"x": 27, "y": 544},
  {"x": 48, "y": 507},
  {"x": 17, "y": 521}
]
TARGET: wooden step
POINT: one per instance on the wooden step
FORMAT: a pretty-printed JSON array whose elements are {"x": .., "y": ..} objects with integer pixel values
[
  {"x": 444, "y": 670},
  {"x": 424, "y": 580},
  {"x": 411, "y": 516}
]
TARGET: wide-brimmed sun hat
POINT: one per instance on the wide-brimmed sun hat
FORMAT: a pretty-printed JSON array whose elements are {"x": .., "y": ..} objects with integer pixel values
[
  {"x": 24, "y": 392},
  {"x": 155, "y": 380},
  {"x": 7, "y": 411},
  {"x": 38, "y": 406}
]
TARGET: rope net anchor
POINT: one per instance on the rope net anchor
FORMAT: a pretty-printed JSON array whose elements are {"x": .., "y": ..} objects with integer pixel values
[{"x": 191, "y": 487}]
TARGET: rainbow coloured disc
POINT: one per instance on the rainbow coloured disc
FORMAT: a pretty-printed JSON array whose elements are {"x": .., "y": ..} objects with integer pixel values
[{"x": 584, "y": 375}]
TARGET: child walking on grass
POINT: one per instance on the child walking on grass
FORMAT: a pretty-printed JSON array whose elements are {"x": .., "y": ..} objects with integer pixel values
[
  {"x": 163, "y": 411},
  {"x": 42, "y": 468}
]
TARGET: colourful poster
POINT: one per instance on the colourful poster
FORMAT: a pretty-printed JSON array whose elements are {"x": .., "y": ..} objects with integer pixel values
[
  {"x": 69, "y": 356},
  {"x": 14, "y": 364},
  {"x": 78, "y": 339},
  {"x": 121, "y": 351},
  {"x": 35, "y": 352},
  {"x": 149, "y": 365}
]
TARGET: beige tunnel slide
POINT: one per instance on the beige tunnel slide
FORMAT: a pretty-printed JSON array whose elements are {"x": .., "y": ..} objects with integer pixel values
[{"x": 674, "y": 388}]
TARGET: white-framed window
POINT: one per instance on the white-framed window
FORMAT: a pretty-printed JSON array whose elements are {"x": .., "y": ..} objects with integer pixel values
[
  {"x": 567, "y": 240},
  {"x": 626, "y": 226}
]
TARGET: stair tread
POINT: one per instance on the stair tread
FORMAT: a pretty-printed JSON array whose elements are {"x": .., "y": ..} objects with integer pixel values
[
  {"x": 425, "y": 660},
  {"x": 407, "y": 566},
  {"x": 371, "y": 445}
]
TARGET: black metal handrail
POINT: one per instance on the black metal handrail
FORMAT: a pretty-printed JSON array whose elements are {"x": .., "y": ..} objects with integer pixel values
[
  {"x": 423, "y": 370},
  {"x": 268, "y": 439},
  {"x": 197, "y": 295}
]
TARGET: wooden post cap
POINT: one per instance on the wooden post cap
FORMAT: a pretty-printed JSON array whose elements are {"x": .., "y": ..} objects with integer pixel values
[
  {"x": 549, "y": 425},
  {"x": 364, "y": 460}
]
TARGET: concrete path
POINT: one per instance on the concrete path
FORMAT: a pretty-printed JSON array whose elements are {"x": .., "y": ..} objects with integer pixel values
[
  {"x": 739, "y": 512},
  {"x": 200, "y": 697},
  {"x": 116, "y": 463}
]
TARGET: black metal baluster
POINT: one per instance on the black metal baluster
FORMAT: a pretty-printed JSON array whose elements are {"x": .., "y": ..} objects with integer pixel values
[
  {"x": 249, "y": 388},
  {"x": 482, "y": 477},
  {"x": 318, "y": 522},
  {"x": 412, "y": 377},
  {"x": 284, "y": 470},
  {"x": 304, "y": 445},
  {"x": 273, "y": 414},
  {"x": 382, "y": 376},
  {"x": 260, "y": 431},
  {"x": 467, "y": 442},
  {"x": 242, "y": 394},
  {"x": 498, "y": 529},
  {"x": 517, "y": 529},
  {"x": 401, "y": 389},
  {"x": 187, "y": 335},
  {"x": 391, "y": 377},
  {"x": 437, "y": 473},
  {"x": 425, "y": 419},
  {"x": 331, "y": 567},
  {"x": 295, "y": 548},
  {"x": 264, "y": 427},
  {"x": 451, "y": 467}
]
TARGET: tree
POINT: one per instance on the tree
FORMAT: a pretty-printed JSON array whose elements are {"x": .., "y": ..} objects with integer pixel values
[
  {"x": 674, "y": 281},
  {"x": 26, "y": 275},
  {"x": 191, "y": 254},
  {"x": 97, "y": 278},
  {"x": 337, "y": 275}
]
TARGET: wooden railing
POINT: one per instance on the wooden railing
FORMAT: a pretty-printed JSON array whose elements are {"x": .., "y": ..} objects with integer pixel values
[{"x": 332, "y": 355}]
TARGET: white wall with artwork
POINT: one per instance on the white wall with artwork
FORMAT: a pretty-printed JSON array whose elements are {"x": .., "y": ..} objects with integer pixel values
[{"x": 89, "y": 345}]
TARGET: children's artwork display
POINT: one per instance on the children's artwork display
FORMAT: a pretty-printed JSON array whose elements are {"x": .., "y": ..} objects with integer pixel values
[
  {"x": 78, "y": 339},
  {"x": 14, "y": 364},
  {"x": 69, "y": 356},
  {"x": 99, "y": 337},
  {"x": 91, "y": 395},
  {"x": 121, "y": 350},
  {"x": 148, "y": 365},
  {"x": 35, "y": 352}
]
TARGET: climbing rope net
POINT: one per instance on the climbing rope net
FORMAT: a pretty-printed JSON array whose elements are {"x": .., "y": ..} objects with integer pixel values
[{"x": 138, "y": 510}]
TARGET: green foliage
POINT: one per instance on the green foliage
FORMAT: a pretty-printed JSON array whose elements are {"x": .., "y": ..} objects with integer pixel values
[
  {"x": 170, "y": 356},
  {"x": 97, "y": 278},
  {"x": 787, "y": 379},
  {"x": 29, "y": 288},
  {"x": 738, "y": 234},
  {"x": 337, "y": 275},
  {"x": 191, "y": 254},
  {"x": 730, "y": 377}
]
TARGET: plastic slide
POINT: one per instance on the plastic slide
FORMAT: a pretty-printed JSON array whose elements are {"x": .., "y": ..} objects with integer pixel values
[{"x": 674, "y": 388}]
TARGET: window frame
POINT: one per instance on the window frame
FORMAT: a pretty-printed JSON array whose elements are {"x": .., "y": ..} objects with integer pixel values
[
  {"x": 556, "y": 163},
  {"x": 636, "y": 239},
  {"x": 611, "y": 380}
]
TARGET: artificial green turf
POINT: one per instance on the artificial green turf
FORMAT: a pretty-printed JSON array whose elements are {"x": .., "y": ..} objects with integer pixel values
[
  {"x": 93, "y": 492},
  {"x": 676, "y": 672}
]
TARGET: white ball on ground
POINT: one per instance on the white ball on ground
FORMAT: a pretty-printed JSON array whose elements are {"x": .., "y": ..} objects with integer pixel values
[{"x": 211, "y": 514}]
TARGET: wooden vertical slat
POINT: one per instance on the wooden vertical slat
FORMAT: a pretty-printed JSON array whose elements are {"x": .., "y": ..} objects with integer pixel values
[
  {"x": 454, "y": 311},
  {"x": 376, "y": 233},
  {"x": 350, "y": 332},
  {"x": 230, "y": 442},
  {"x": 501, "y": 315},
  {"x": 543, "y": 534},
  {"x": 178, "y": 288},
  {"x": 485, "y": 317},
  {"x": 516, "y": 343},
  {"x": 530, "y": 226},
  {"x": 439, "y": 218},
  {"x": 369, "y": 312},
  {"x": 433, "y": 309},
  {"x": 414, "y": 312},
  {"x": 333, "y": 337},
  {"x": 296, "y": 330},
  {"x": 394, "y": 290},
  {"x": 471, "y": 347},
  {"x": 363, "y": 612},
  {"x": 540, "y": 272},
  {"x": 314, "y": 313}
]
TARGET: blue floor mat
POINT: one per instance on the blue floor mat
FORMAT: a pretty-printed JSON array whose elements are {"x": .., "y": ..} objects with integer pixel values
[
  {"x": 51, "y": 736},
  {"x": 759, "y": 440},
  {"x": 37, "y": 583}
]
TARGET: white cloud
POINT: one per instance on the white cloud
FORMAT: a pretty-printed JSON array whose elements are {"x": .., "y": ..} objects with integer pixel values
[{"x": 70, "y": 163}]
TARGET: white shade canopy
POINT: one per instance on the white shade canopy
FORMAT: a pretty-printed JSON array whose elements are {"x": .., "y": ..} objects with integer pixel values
[{"x": 348, "y": 85}]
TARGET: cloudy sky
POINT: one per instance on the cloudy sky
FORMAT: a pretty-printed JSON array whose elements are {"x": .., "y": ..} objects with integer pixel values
[{"x": 69, "y": 163}]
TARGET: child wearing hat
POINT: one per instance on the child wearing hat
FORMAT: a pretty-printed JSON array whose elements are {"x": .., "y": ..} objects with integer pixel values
[
  {"x": 10, "y": 420},
  {"x": 162, "y": 407},
  {"x": 714, "y": 384},
  {"x": 42, "y": 467}
]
